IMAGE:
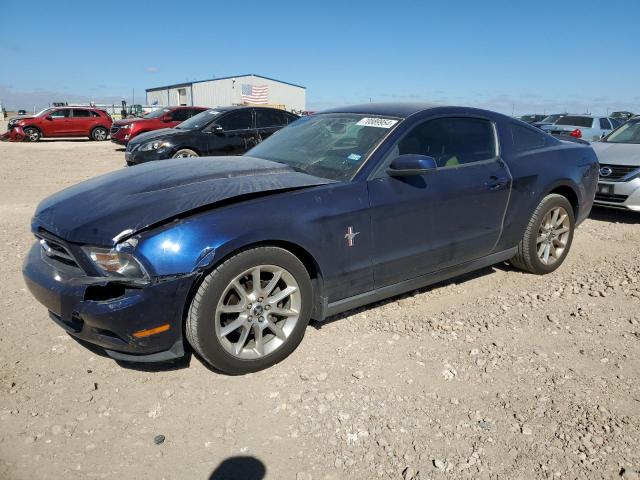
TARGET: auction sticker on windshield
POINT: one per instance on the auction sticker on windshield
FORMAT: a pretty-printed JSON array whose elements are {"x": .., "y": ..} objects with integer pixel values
[{"x": 377, "y": 122}]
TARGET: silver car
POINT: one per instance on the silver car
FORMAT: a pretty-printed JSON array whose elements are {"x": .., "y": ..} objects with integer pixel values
[
  {"x": 586, "y": 127},
  {"x": 619, "y": 157}
]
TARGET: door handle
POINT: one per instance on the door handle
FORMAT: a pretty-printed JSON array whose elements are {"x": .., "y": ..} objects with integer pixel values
[{"x": 496, "y": 183}]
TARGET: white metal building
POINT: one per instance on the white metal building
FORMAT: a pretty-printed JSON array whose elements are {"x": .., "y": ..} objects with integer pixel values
[{"x": 227, "y": 91}]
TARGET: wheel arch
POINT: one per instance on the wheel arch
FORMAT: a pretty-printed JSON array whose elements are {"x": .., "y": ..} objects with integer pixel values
[
  {"x": 569, "y": 192},
  {"x": 301, "y": 253}
]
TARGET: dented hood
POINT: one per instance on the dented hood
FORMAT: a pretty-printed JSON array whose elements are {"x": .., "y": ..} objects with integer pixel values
[{"x": 98, "y": 210}]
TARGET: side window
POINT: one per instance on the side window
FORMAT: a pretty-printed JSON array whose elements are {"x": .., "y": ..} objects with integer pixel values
[
  {"x": 193, "y": 111},
  {"x": 94, "y": 114},
  {"x": 180, "y": 115},
  {"x": 451, "y": 141},
  {"x": 238, "y": 120},
  {"x": 604, "y": 124},
  {"x": 527, "y": 138},
  {"x": 62, "y": 113},
  {"x": 269, "y": 118},
  {"x": 81, "y": 113}
]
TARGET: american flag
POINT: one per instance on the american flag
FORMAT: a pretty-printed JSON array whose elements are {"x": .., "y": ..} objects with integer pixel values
[{"x": 255, "y": 93}]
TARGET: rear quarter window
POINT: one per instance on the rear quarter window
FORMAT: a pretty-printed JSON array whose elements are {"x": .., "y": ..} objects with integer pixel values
[{"x": 527, "y": 138}]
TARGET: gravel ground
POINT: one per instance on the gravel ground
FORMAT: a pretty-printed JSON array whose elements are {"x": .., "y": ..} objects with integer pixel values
[{"x": 498, "y": 374}]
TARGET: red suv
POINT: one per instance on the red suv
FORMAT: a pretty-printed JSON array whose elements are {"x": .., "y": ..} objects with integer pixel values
[
  {"x": 60, "y": 122},
  {"x": 124, "y": 130}
]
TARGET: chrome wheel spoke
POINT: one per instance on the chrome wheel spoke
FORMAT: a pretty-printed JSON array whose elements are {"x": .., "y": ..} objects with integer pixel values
[
  {"x": 244, "y": 295},
  {"x": 277, "y": 331},
  {"x": 239, "y": 345},
  {"x": 237, "y": 308},
  {"x": 561, "y": 230},
  {"x": 259, "y": 339},
  {"x": 255, "y": 280},
  {"x": 281, "y": 295},
  {"x": 233, "y": 326},
  {"x": 272, "y": 283},
  {"x": 283, "y": 312}
]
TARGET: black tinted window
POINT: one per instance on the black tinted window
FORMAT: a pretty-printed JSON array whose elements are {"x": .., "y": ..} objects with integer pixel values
[
  {"x": 451, "y": 141},
  {"x": 604, "y": 123},
  {"x": 270, "y": 118},
  {"x": 62, "y": 113},
  {"x": 180, "y": 115},
  {"x": 240, "y": 120},
  {"x": 94, "y": 114},
  {"x": 81, "y": 113},
  {"x": 576, "y": 121},
  {"x": 527, "y": 138}
]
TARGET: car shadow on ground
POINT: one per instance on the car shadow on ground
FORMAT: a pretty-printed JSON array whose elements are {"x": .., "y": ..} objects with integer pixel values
[
  {"x": 240, "y": 468},
  {"x": 60, "y": 140},
  {"x": 455, "y": 280},
  {"x": 614, "y": 215}
]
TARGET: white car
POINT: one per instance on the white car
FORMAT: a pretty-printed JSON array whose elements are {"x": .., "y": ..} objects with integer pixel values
[
  {"x": 586, "y": 127},
  {"x": 619, "y": 158}
]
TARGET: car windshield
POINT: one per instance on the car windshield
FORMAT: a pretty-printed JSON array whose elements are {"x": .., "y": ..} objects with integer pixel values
[
  {"x": 627, "y": 133},
  {"x": 330, "y": 145},
  {"x": 199, "y": 120},
  {"x": 42, "y": 112},
  {"x": 528, "y": 118},
  {"x": 157, "y": 113}
]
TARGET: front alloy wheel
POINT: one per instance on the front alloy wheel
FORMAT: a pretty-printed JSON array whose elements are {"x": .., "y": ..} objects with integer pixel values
[
  {"x": 32, "y": 134},
  {"x": 99, "y": 134},
  {"x": 185, "y": 153},
  {"x": 251, "y": 311}
]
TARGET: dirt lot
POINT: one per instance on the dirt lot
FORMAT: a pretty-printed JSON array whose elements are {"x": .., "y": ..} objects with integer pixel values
[{"x": 497, "y": 375}]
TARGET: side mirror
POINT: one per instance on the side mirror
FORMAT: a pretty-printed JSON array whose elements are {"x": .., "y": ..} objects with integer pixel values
[
  {"x": 49, "y": 117},
  {"x": 167, "y": 118},
  {"x": 411, "y": 164},
  {"x": 215, "y": 128}
]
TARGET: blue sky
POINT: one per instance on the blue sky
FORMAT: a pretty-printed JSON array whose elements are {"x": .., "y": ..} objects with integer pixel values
[{"x": 520, "y": 56}]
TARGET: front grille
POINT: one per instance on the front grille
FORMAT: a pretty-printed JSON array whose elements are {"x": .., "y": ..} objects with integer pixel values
[
  {"x": 54, "y": 249},
  {"x": 114, "y": 129},
  {"x": 617, "y": 171},
  {"x": 611, "y": 197}
]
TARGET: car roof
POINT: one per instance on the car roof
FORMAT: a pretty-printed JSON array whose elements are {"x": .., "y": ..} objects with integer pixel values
[{"x": 393, "y": 109}]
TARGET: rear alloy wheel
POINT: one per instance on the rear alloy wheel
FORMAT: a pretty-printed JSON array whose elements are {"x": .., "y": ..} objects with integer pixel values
[
  {"x": 99, "y": 134},
  {"x": 32, "y": 134},
  {"x": 548, "y": 236},
  {"x": 185, "y": 153},
  {"x": 251, "y": 312}
]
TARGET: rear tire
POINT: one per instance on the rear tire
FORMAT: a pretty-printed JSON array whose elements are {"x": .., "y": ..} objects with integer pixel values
[
  {"x": 32, "y": 134},
  {"x": 99, "y": 134},
  {"x": 185, "y": 153},
  {"x": 547, "y": 238},
  {"x": 242, "y": 331}
]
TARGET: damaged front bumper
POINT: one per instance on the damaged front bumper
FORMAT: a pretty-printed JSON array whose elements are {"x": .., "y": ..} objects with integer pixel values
[
  {"x": 14, "y": 134},
  {"x": 111, "y": 314}
]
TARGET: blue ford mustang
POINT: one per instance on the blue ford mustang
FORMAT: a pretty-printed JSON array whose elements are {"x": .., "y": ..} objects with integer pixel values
[{"x": 234, "y": 255}]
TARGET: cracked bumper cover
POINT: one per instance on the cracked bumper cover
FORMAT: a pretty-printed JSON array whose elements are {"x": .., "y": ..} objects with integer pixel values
[{"x": 110, "y": 323}]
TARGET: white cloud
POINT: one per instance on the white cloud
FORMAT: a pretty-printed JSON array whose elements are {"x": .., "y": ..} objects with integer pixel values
[{"x": 151, "y": 69}]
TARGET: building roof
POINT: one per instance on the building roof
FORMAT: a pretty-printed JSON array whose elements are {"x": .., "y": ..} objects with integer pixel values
[{"x": 186, "y": 84}]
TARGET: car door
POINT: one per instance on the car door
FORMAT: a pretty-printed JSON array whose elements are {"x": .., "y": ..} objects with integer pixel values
[
  {"x": 57, "y": 123},
  {"x": 232, "y": 134},
  {"x": 80, "y": 121},
  {"x": 449, "y": 216}
]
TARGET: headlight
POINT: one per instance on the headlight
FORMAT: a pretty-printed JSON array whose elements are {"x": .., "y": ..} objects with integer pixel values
[
  {"x": 155, "y": 145},
  {"x": 113, "y": 263},
  {"x": 126, "y": 127}
]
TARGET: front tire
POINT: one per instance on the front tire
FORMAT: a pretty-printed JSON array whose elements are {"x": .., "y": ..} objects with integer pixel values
[
  {"x": 99, "y": 134},
  {"x": 32, "y": 134},
  {"x": 250, "y": 312},
  {"x": 185, "y": 153},
  {"x": 548, "y": 237}
]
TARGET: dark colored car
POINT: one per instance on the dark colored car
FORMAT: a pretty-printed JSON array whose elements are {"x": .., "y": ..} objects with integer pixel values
[
  {"x": 124, "y": 130},
  {"x": 60, "y": 122},
  {"x": 531, "y": 118},
  {"x": 219, "y": 131},
  {"x": 22, "y": 112},
  {"x": 234, "y": 255}
]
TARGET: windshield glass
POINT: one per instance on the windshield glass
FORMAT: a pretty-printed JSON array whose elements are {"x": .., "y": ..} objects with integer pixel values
[
  {"x": 627, "y": 133},
  {"x": 42, "y": 112},
  {"x": 199, "y": 120},
  {"x": 157, "y": 113},
  {"x": 331, "y": 145}
]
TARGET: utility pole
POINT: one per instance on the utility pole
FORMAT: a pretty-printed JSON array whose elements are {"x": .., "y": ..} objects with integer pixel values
[{"x": 133, "y": 97}]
